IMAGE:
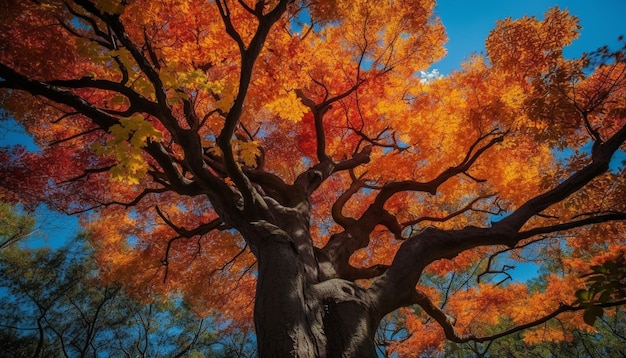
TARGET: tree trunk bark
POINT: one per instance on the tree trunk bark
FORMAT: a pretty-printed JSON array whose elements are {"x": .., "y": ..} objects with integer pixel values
[
  {"x": 280, "y": 312},
  {"x": 294, "y": 318}
]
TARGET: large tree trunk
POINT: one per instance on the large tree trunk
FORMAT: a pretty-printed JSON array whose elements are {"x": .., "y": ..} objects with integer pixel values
[{"x": 294, "y": 318}]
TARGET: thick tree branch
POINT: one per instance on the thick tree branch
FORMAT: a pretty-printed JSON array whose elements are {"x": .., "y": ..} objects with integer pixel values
[
  {"x": 138, "y": 103},
  {"x": 14, "y": 80},
  {"x": 271, "y": 185},
  {"x": 352, "y": 273},
  {"x": 177, "y": 181},
  {"x": 343, "y": 199},
  {"x": 318, "y": 116},
  {"x": 248, "y": 55},
  {"x": 362, "y": 157},
  {"x": 432, "y": 244},
  {"x": 572, "y": 224}
]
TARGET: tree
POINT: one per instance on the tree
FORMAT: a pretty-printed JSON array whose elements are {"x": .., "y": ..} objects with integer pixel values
[
  {"x": 218, "y": 146},
  {"x": 14, "y": 226},
  {"x": 55, "y": 305}
]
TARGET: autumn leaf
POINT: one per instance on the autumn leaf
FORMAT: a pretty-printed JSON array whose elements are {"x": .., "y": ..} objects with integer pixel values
[
  {"x": 288, "y": 106},
  {"x": 128, "y": 139}
]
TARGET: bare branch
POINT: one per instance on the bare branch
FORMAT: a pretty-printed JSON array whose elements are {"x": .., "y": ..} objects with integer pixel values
[
  {"x": 215, "y": 224},
  {"x": 88, "y": 172},
  {"x": 488, "y": 269},
  {"x": 466, "y": 208}
]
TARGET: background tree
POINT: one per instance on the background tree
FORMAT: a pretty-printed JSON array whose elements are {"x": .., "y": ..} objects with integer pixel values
[
  {"x": 608, "y": 340},
  {"x": 14, "y": 226},
  {"x": 219, "y": 145},
  {"x": 55, "y": 305}
]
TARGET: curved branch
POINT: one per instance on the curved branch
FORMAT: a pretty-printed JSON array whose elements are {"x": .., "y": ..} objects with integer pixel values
[
  {"x": 447, "y": 323},
  {"x": 466, "y": 208},
  {"x": 202, "y": 229},
  {"x": 136, "y": 100},
  {"x": 431, "y": 186},
  {"x": 13, "y": 79},
  {"x": 230, "y": 29},
  {"x": 341, "y": 201}
]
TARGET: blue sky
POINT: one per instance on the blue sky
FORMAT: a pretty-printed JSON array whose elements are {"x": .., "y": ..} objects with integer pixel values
[{"x": 468, "y": 23}]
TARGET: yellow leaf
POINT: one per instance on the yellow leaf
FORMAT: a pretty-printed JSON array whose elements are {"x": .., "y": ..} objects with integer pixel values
[
  {"x": 125, "y": 145},
  {"x": 288, "y": 106},
  {"x": 248, "y": 151}
]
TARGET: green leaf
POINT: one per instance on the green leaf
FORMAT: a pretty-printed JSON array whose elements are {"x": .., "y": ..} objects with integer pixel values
[
  {"x": 598, "y": 268},
  {"x": 592, "y": 313},
  {"x": 119, "y": 99},
  {"x": 605, "y": 296},
  {"x": 583, "y": 295}
]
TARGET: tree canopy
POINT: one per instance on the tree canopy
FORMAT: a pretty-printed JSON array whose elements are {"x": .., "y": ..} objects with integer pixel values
[{"x": 281, "y": 163}]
